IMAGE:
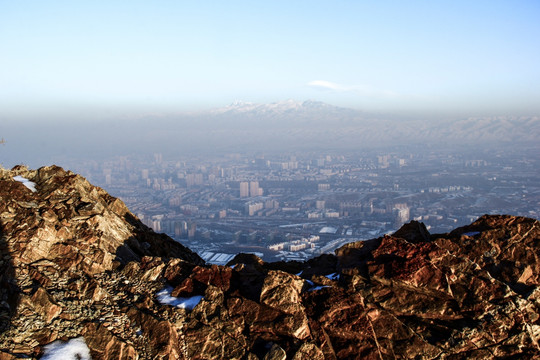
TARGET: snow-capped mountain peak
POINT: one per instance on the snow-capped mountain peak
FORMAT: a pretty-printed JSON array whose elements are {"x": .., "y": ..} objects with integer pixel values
[{"x": 279, "y": 107}]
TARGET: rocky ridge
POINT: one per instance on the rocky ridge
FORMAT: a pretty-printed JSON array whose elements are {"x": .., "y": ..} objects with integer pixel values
[{"x": 76, "y": 263}]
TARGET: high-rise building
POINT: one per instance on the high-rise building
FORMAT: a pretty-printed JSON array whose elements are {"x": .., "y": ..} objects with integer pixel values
[
  {"x": 253, "y": 207},
  {"x": 254, "y": 189},
  {"x": 192, "y": 230},
  {"x": 401, "y": 214},
  {"x": 271, "y": 204},
  {"x": 244, "y": 189},
  {"x": 383, "y": 161},
  {"x": 180, "y": 228},
  {"x": 145, "y": 174},
  {"x": 194, "y": 179}
]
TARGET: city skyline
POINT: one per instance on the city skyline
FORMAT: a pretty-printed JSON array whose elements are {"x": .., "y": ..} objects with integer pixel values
[{"x": 105, "y": 60}]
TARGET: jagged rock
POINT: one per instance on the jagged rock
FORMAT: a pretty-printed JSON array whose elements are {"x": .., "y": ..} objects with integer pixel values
[
  {"x": 281, "y": 291},
  {"x": 160, "y": 336},
  {"x": 309, "y": 351},
  {"x": 413, "y": 232},
  {"x": 44, "y": 305},
  {"x": 75, "y": 262},
  {"x": 104, "y": 345},
  {"x": 247, "y": 259}
]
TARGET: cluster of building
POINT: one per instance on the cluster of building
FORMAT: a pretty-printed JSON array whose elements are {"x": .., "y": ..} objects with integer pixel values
[{"x": 282, "y": 204}]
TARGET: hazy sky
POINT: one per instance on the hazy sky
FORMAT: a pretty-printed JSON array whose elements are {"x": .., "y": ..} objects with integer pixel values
[{"x": 97, "y": 58}]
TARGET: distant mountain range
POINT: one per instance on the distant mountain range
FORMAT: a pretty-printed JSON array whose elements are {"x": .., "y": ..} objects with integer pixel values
[
  {"x": 283, "y": 108},
  {"x": 281, "y": 126},
  {"x": 287, "y": 111},
  {"x": 321, "y": 122}
]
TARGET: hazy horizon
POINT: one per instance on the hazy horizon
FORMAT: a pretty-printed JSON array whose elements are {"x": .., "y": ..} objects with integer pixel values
[{"x": 285, "y": 127}]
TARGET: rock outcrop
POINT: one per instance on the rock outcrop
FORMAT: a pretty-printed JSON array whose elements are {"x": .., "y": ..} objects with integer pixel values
[{"x": 76, "y": 263}]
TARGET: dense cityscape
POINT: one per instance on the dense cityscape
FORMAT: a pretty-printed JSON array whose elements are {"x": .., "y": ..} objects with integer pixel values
[{"x": 294, "y": 207}]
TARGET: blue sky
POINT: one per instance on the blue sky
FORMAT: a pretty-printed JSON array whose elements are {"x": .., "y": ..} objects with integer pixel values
[{"x": 112, "y": 58}]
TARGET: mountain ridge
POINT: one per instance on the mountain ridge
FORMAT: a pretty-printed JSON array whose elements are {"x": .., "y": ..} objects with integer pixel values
[
  {"x": 293, "y": 128},
  {"x": 321, "y": 122},
  {"x": 77, "y": 264},
  {"x": 279, "y": 107}
]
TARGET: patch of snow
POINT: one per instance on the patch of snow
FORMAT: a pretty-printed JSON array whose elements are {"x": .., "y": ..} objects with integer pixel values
[
  {"x": 164, "y": 297},
  {"x": 74, "y": 349},
  {"x": 471, "y": 233},
  {"x": 300, "y": 273},
  {"x": 29, "y": 184},
  {"x": 333, "y": 276},
  {"x": 310, "y": 283},
  {"x": 315, "y": 288}
]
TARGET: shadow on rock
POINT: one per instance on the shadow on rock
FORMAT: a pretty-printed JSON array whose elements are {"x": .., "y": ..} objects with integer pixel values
[{"x": 9, "y": 291}]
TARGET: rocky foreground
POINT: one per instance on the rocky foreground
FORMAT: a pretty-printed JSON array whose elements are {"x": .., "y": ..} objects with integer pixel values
[{"x": 75, "y": 263}]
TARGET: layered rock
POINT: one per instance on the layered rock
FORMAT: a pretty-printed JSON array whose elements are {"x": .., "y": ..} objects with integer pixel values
[
  {"x": 76, "y": 263},
  {"x": 63, "y": 247}
]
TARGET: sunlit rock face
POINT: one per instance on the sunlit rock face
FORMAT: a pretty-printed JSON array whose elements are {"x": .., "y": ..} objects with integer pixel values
[{"x": 77, "y": 265}]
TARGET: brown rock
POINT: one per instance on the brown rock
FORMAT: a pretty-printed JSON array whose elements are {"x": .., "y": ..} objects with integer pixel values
[
  {"x": 44, "y": 305},
  {"x": 186, "y": 288},
  {"x": 6, "y": 356},
  {"x": 209, "y": 343},
  {"x": 309, "y": 351},
  {"x": 281, "y": 291},
  {"x": 414, "y": 232},
  {"x": 215, "y": 275},
  {"x": 178, "y": 270},
  {"x": 160, "y": 335},
  {"x": 104, "y": 345}
]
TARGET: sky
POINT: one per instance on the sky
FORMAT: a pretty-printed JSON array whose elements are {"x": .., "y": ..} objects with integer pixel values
[{"x": 98, "y": 59}]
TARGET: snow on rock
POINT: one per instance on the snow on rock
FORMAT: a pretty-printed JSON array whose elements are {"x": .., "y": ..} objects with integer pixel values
[
  {"x": 333, "y": 276},
  {"x": 29, "y": 184},
  {"x": 315, "y": 288},
  {"x": 164, "y": 297},
  {"x": 73, "y": 349}
]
